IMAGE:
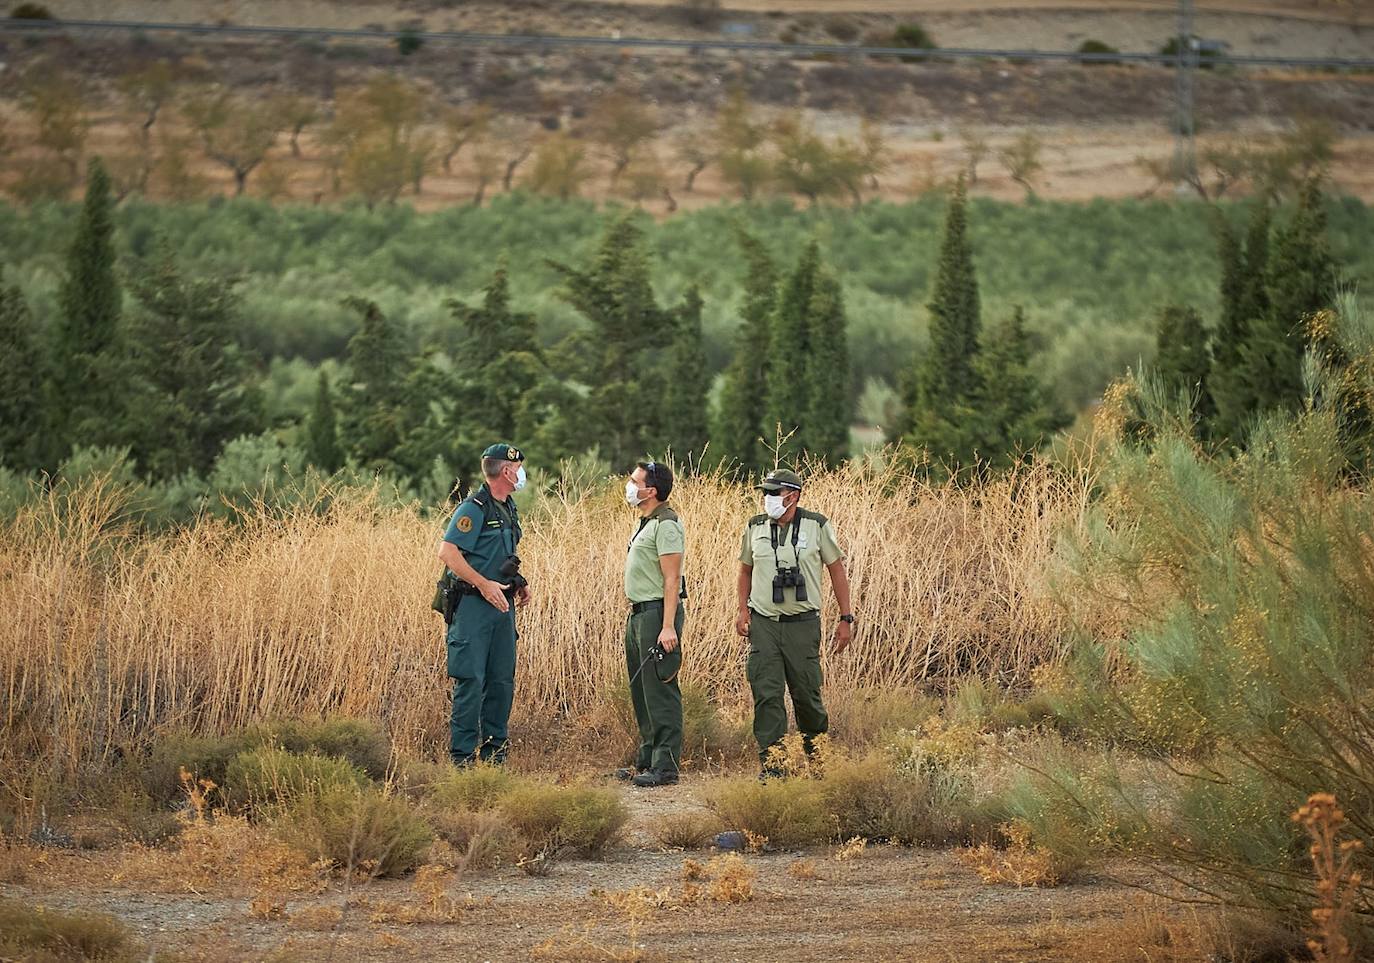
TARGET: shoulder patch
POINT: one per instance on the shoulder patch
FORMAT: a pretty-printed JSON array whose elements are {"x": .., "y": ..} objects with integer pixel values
[
  {"x": 464, "y": 523},
  {"x": 757, "y": 520}
]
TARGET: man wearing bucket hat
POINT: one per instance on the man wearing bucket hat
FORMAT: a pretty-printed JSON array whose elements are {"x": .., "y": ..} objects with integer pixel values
[
  {"x": 481, "y": 585},
  {"x": 779, "y": 589}
]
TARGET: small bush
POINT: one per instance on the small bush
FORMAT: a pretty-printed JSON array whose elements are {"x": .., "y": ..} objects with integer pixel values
[
  {"x": 1096, "y": 47},
  {"x": 262, "y": 778},
  {"x": 868, "y": 798},
  {"x": 842, "y": 29},
  {"x": 409, "y": 41},
  {"x": 357, "y": 830},
  {"x": 689, "y": 830},
  {"x": 31, "y": 11},
  {"x": 704, "y": 734},
  {"x": 732, "y": 879},
  {"x": 789, "y": 812},
  {"x": 363, "y": 743},
  {"x": 1021, "y": 862},
  {"x": 36, "y": 932},
  {"x": 551, "y": 818},
  {"x": 475, "y": 788},
  {"x": 485, "y": 839},
  {"x": 870, "y": 716},
  {"x": 204, "y": 757},
  {"x": 912, "y": 35}
]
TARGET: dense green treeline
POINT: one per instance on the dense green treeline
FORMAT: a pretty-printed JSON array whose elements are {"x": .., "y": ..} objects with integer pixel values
[
  {"x": 1091, "y": 277},
  {"x": 146, "y": 353}
]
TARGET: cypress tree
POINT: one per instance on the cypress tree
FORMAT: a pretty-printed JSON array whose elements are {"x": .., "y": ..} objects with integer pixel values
[
  {"x": 788, "y": 398},
  {"x": 85, "y": 398},
  {"x": 322, "y": 431},
  {"x": 189, "y": 379},
  {"x": 1301, "y": 281},
  {"x": 507, "y": 362},
  {"x": 826, "y": 432},
  {"x": 1013, "y": 408},
  {"x": 1254, "y": 300},
  {"x": 619, "y": 359},
  {"x": 947, "y": 384},
  {"x": 741, "y": 416},
  {"x": 373, "y": 402},
  {"x": 686, "y": 382},
  {"x": 21, "y": 385},
  {"x": 1182, "y": 358}
]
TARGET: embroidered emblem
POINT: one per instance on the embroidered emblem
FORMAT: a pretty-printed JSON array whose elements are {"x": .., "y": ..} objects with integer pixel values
[{"x": 464, "y": 523}]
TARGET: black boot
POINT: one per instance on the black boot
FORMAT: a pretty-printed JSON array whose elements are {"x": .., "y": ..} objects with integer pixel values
[{"x": 656, "y": 777}]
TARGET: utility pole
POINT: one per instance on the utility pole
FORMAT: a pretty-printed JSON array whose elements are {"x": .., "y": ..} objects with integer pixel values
[{"x": 1185, "y": 144}]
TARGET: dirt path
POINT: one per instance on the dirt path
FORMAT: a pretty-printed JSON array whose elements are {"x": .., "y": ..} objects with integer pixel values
[{"x": 884, "y": 904}]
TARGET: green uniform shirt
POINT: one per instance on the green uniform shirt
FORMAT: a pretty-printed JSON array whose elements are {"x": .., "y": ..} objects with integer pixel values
[
  {"x": 659, "y": 534},
  {"x": 486, "y": 531},
  {"x": 816, "y": 546}
]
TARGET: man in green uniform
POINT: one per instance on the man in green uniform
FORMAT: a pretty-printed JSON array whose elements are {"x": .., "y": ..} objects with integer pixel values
[
  {"x": 779, "y": 590},
  {"x": 478, "y": 549},
  {"x": 653, "y": 653}
]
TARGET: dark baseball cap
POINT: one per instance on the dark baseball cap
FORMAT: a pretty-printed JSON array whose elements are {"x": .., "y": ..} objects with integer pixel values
[
  {"x": 780, "y": 478},
  {"x": 504, "y": 452}
]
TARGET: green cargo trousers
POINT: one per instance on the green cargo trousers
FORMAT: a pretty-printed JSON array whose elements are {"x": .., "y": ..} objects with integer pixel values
[
  {"x": 481, "y": 663},
  {"x": 785, "y": 656},
  {"x": 654, "y": 691}
]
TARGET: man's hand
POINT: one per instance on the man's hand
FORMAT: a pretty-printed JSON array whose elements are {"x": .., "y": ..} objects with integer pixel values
[
  {"x": 667, "y": 639},
  {"x": 494, "y": 593},
  {"x": 742, "y": 623},
  {"x": 844, "y": 634},
  {"x": 522, "y": 595}
]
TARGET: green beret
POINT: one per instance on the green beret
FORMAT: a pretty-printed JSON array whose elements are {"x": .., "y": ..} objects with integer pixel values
[{"x": 504, "y": 452}]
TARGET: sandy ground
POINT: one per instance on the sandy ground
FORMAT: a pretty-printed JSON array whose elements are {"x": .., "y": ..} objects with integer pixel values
[{"x": 885, "y": 904}]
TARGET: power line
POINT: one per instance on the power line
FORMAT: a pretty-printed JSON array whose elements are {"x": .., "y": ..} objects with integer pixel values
[{"x": 553, "y": 41}]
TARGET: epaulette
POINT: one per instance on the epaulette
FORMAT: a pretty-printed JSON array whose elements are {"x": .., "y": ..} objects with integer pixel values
[
  {"x": 816, "y": 517},
  {"x": 758, "y": 520}
]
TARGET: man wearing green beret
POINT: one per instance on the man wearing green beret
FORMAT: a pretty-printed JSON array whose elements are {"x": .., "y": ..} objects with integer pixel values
[
  {"x": 653, "y": 653},
  {"x": 779, "y": 589},
  {"x": 479, "y": 550}
]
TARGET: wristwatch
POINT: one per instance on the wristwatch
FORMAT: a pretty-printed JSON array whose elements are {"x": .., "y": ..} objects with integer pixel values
[{"x": 847, "y": 618}]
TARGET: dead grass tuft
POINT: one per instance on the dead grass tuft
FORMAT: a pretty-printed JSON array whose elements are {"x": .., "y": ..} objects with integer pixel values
[
  {"x": 1021, "y": 862},
  {"x": 732, "y": 879},
  {"x": 803, "y": 870},
  {"x": 39, "y": 933},
  {"x": 685, "y": 830}
]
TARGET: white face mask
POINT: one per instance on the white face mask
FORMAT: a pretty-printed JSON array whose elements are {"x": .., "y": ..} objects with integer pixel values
[
  {"x": 632, "y": 496},
  {"x": 520, "y": 478},
  {"x": 773, "y": 505}
]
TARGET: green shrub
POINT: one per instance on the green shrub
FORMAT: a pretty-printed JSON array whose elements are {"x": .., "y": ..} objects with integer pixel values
[
  {"x": 204, "y": 757},
  {"x": 270, "y": 777},
  {"x": 357, "y": 830},
  {"x": 485, "y": 838},
  {"x": 31, "y": 11},
  {"x": 474, "y": 788},
  {"x": 868, "y": 797},
  {"x": 363, "y": 743},
  {"x": 913, "y": 35},
  {"x": 789, "y": 812},
  {"x": 871, "y": 716},
  {"x": 1096, "y": 47},
  {"x": 551, "y": 818},
  {"x": 39, "y": 933},
  {"x": 409, "y": 41}
]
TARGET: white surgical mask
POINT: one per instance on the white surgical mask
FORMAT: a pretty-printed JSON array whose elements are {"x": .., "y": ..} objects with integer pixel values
[
  {"x": 520, "y": 478},
  {"x": 773, "y": 505},
  {"x": 632, "y": 496}
]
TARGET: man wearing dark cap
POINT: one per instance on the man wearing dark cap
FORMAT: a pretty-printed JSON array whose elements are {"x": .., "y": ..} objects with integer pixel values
[
  {"x": 779, "y": 590},
  {"x": 479, "y": 549}
]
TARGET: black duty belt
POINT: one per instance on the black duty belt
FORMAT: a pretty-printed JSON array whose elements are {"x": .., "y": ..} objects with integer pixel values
[
  {"x": 637, "y": 607},
  {"x": 810, "y": 616}
]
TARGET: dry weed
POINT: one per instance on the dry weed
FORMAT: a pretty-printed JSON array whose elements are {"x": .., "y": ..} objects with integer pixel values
[
  {"x": 317, "y": 918},
  {"x": 693, "y": 871},
  {"x": 1021, "y": 863},
  {"x": 572, "y": 946},
  {"x": 431, "y": 902},
  {"x": 803, "y": 869},
  {"x": 687, "y": 830},
  {"x": 851, "y": 849},
  {"x": 1338, "y": 884},
  {"x": 732, "y": 879},
  {"x": 267, "y": 907}
]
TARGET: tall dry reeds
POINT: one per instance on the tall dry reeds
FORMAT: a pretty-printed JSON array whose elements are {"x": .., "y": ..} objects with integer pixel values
[{"x": 112, "y": 637}]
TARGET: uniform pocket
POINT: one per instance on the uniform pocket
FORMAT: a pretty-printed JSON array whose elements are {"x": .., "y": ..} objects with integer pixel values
[
  {"x": 668, "y": 667},
  {"x": 458, "y": 660}
]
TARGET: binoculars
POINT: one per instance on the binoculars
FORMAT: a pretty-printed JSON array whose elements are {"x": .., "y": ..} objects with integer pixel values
[{"x": 788, "y": 577}]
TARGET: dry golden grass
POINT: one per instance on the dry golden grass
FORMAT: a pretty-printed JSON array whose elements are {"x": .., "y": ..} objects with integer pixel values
[
  {"x": 1021, "y": 862},
  {"x": 113, "y": 638}
]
